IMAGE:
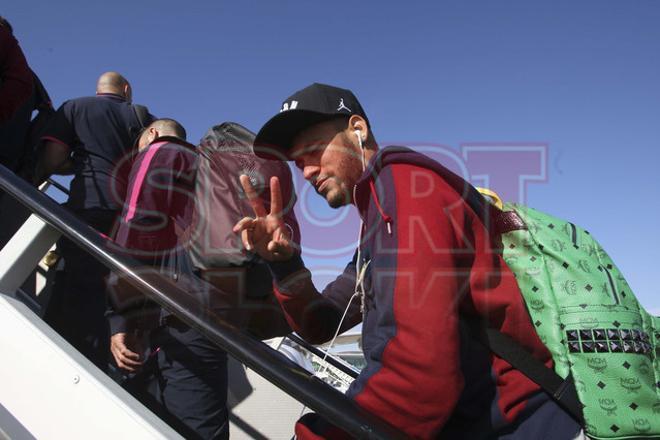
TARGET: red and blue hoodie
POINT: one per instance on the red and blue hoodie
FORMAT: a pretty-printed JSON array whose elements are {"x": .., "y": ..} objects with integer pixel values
[{"x": 432, "y": 269}]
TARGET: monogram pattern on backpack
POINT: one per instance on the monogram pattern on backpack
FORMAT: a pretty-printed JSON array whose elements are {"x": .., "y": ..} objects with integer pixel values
[{"x": 586, "y": 314}]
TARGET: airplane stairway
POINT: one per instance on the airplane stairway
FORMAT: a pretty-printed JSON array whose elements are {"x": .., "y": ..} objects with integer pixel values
[{"x": 48, "y": 390}]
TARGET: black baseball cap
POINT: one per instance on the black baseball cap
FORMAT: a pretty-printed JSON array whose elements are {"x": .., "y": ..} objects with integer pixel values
[{"x": 306, "y": 107}]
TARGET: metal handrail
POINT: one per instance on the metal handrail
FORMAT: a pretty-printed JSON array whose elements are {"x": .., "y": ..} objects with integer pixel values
[
  {"x": 285, "y": 374},
  {"x": 326, "y": 357},
  {"x": 52, "y": 182}
]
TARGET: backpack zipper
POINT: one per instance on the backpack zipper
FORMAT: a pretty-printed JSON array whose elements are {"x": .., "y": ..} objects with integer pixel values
[
  {"x": 574, "y": 234},
  {"x": 614, "y": 294}
]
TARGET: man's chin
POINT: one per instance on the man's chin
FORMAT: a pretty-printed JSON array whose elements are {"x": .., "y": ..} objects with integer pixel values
[{"x": 337, "y": 200}]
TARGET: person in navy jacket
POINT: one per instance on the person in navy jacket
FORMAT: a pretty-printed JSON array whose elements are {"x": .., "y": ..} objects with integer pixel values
[
  {"x": 424, "y": 269},
  {"x": 89, "y": 137}
]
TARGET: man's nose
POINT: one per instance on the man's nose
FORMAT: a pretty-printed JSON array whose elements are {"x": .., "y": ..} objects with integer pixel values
[{"x": 310, "y": 172}]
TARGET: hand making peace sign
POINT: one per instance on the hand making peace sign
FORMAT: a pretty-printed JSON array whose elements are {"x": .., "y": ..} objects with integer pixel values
[{"x": 266, "y": 234}]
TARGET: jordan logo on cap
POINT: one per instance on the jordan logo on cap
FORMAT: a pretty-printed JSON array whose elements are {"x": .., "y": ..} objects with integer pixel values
[{"x": 342, "y": 106}]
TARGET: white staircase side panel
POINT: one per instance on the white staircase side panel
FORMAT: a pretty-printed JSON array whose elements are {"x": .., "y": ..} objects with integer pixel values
[
  {"x": 49, "y": 390},
  {"x": 266, "y": 413},
  {"x": 21, "y": 255}
]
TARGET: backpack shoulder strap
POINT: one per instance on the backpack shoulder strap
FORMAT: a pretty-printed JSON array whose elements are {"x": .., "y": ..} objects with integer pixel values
[
  {"x": 502, "y": 221},
  {"x": 142, "y": 114},
  {"x": 561, "y": 390},
  {"x": 42, "y": 101},
  {"x": 507, "y": 221}
]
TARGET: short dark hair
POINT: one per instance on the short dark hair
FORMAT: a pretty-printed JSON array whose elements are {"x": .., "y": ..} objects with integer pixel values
[
  {"x": 5, "y": 23},
  {"x": 173, "y": 125}
]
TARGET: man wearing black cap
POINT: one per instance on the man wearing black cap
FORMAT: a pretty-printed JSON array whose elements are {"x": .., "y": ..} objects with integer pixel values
[{"x": 424, "y": 268}]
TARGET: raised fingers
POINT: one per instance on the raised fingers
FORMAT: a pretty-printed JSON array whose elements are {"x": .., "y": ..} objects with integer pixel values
[
  {"x": 275, "y": 197},
  {"x": 253, "y": 197}
]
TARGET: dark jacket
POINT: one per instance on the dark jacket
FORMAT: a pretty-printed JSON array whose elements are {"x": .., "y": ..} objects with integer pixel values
[
  {"x": 17, "y": 101},
  {"x": 15, "y": 76},
  {"x": 100, "y": 131}
]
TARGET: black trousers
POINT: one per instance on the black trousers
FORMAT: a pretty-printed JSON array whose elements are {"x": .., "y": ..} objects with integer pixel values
[
  {"x": 77, "y": 307},
  {"x": 185, "y": 383}
]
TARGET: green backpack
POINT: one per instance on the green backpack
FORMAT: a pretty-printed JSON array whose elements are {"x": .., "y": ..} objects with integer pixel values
[{"x": 589, "y": 319}]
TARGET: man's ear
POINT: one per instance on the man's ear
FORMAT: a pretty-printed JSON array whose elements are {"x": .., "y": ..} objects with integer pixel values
[
  {"x": 357, "y": 122},
  {"x": 151, "y": 135},
  {"x": 128, "y": 92}
]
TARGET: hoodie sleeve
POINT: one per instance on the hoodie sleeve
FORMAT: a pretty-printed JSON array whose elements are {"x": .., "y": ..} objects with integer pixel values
[
  {"x": 16, "y": 81},
  {"x": 312, "y": 315}
]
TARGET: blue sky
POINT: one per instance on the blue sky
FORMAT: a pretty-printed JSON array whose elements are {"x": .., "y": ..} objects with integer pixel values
[{"x": 581, "y": 78}]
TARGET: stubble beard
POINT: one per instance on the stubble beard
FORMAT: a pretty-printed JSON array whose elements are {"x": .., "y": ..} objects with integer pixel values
[
  {"x": 338, "y": 196},
  {"x": 341, "y": 194}
]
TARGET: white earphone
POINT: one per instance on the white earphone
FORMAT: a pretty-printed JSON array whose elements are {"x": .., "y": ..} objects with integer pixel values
[{"x": 358, "y": 133}]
